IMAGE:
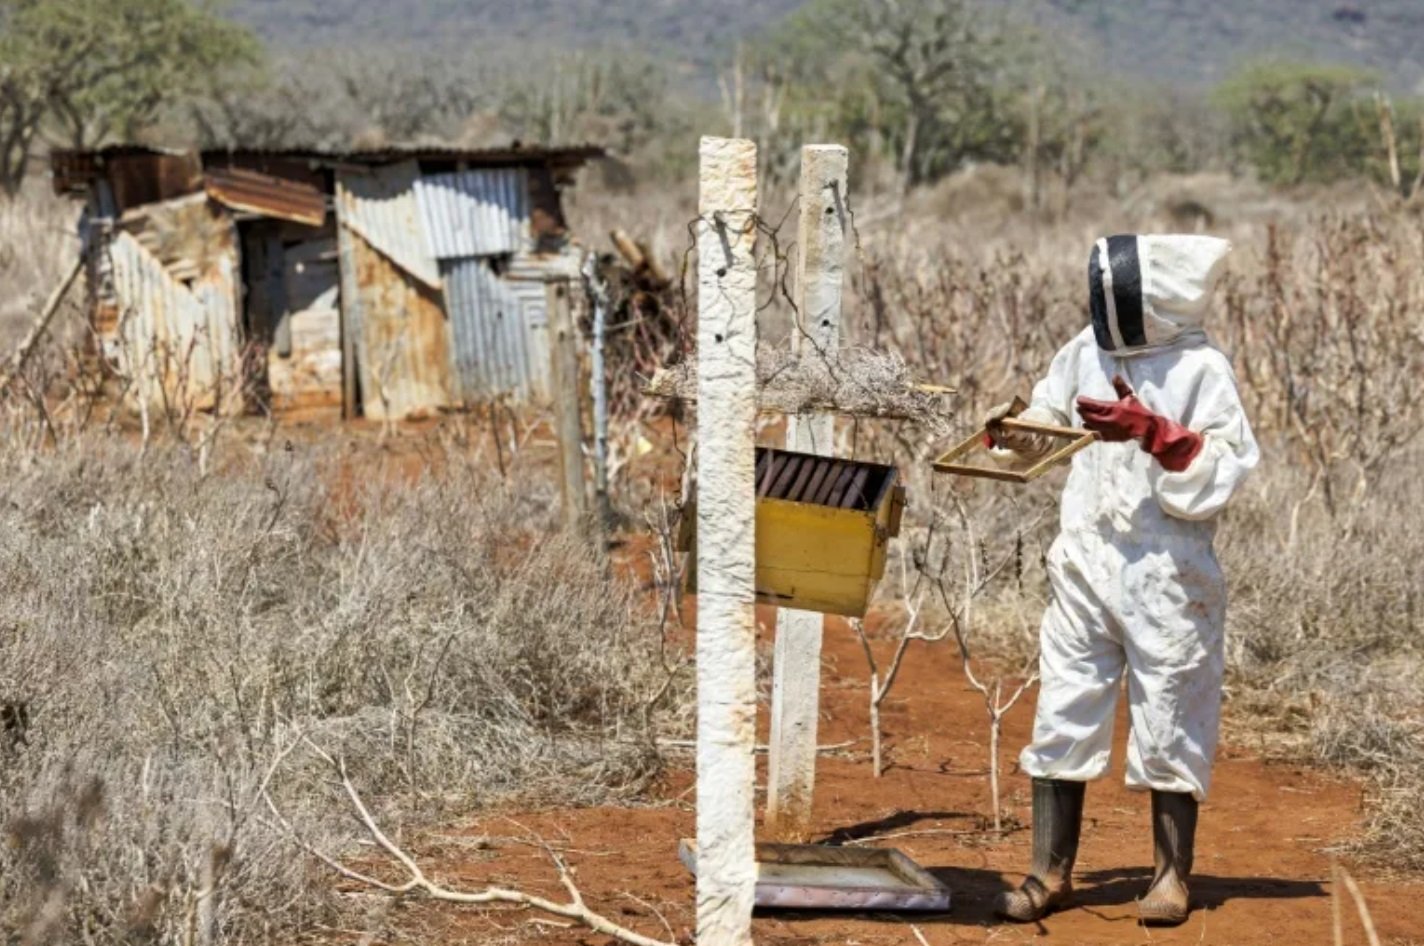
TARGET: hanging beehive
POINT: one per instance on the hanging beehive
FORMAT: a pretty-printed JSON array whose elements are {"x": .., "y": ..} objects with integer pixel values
[{"x": 823, "y": 526}]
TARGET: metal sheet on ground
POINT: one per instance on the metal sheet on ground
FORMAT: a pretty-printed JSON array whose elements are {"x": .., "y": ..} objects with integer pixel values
[{"x": 820, "y": 877}]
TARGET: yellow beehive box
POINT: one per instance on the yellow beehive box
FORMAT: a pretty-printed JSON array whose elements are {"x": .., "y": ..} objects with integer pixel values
[{"x": 823, "y": 527}]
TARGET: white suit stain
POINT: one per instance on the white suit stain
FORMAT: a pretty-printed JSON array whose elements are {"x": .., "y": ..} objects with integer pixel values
[{"x": 1136, "y": 587}]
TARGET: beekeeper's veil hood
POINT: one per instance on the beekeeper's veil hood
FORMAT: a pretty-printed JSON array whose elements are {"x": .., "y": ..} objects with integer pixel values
[{"x": 1147, "y": 291}]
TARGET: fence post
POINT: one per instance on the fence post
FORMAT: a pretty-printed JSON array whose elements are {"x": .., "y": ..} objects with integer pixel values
[
  {"x": 726, "y": 537},
  {"x": 563, "y": 379},
  {"x": 351, "y": 346},
  {"x": 597, "y": 294},
  {"x": 796, "y": 662}
]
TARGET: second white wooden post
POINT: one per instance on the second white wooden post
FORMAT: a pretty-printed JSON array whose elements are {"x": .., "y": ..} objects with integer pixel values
[
  {"x": 796, "y": 663},
  {"x": 563, "y": 379},
  {"x": 726, "y": 537}
]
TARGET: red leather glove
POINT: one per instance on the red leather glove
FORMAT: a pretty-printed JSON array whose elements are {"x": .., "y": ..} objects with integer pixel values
[{"x": 1174, "y": 446}]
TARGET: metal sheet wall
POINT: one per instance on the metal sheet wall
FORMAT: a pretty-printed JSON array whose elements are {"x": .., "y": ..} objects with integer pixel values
[
  {"x": 497, "y": 334},
  {"x": 528, "y": 277},
  {"x": 533, "y": 303},
  {"x": 493, "y": 327},
  {"x": 546, "y": 267},
  {"x": 180, "y": 346},
  {"x": 403, "y": 338},
  {"x": 475, "y": 213},
  {"x": 382, "y": 208}
]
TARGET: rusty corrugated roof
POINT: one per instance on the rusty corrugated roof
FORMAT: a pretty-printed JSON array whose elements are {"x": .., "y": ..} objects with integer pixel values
[
  {"x": 266, "y": 194},
  {"x": 72, "y": 169}
]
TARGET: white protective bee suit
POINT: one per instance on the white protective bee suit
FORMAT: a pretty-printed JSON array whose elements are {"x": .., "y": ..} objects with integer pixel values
[{"x": 1136, "y": 587}]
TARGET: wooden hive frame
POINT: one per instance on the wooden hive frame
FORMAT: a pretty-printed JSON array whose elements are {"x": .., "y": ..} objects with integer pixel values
[{"x": 953, "y": 461}]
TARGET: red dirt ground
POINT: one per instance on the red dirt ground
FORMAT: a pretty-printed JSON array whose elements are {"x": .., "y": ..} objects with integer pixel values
[
  {"x": 1262, "y": 875},
  {"x": 1263, "y": 867}
]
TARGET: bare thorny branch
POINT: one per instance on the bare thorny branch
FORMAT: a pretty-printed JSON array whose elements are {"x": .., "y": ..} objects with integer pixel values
[
  {"x": 976, "y": 579},
  {"x": 418, "y": 883},
  {"x": 666, "y": 576}
]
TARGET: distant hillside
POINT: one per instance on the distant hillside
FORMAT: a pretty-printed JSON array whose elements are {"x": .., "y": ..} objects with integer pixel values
[
  {"x": 1190, "y": 41},
  {"x": 1200, "y": 42},
  {"x": 696, "y": 33}
]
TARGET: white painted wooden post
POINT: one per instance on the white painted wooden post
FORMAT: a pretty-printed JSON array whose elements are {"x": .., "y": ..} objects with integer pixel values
[
  {"x": 563, "y": 380},
  {"x": 726, "y": 536},
  {"x": 796, "y": 664}
]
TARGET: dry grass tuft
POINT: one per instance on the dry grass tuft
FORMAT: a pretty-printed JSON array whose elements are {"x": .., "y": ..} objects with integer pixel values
[{"x": 167, "y": 636}]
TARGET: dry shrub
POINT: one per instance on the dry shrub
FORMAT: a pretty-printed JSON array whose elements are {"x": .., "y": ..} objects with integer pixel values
[
  {"x": 1325, "y": 327},
  {"x": 38, "y": 239},
  {"x": 166, "y": 635},
  {"x": 1326, "y": 645},
  {"x": 1388, "y": 745}
]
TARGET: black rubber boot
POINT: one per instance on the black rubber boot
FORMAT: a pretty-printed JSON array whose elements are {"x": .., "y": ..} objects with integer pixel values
[
  {"x": 1057, "y": 822},
  {"x": 1174, "y": 829}
]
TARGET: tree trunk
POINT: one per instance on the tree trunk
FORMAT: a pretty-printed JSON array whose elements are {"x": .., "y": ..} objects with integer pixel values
[
  {"x": 911, "y": 145},
  {"x": 875, "y": 724},
  {"x": 1391, "y": 142},
  {"x": 15, "y": 154},
  {"x": 995, "y": 725},
  {"x": 1034, "y": 148}
]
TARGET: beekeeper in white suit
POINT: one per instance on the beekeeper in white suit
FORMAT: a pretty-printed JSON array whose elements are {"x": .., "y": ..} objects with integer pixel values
[{"x": 1136, "y": 587}]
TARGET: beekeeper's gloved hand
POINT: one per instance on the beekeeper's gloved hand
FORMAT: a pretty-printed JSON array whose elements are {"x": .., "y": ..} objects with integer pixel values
[
  {"x": 1028, "y": 445},
  {"x": 1174, "y": 446}
]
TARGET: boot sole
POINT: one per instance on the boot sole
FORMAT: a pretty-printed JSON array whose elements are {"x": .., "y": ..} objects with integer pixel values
[
  {"x": 1161, "y": 916},
  {"x": 1052, "y": 905}
]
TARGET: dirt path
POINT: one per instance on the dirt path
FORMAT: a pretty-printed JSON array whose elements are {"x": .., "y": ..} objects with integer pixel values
[{"x": 1261, "y": 876}]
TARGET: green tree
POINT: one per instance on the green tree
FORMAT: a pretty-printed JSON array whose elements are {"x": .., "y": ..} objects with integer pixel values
[
  {"x": 1295, "y": 122},
  {"x": 85, "y": 72},
  {"x": 937, "y": 74}
]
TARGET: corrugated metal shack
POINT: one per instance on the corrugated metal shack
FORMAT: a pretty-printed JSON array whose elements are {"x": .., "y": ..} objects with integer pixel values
[{"x": 388, "y": 283}]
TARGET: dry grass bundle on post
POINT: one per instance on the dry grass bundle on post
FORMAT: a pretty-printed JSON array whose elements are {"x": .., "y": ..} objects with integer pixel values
[{"x": 860, "y": 382}]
